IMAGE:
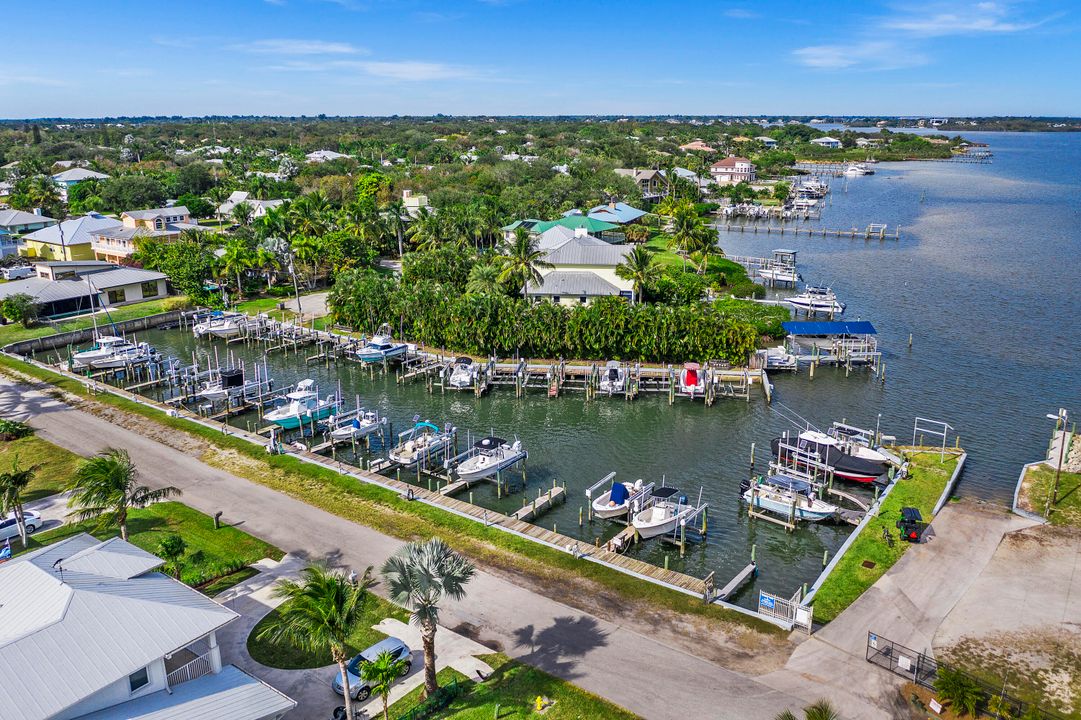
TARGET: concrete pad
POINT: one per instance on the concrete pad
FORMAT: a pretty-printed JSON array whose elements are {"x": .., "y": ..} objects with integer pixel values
[{"x": 54, "y": 510}]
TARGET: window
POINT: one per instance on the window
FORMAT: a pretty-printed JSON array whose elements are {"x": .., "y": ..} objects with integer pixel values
[
  {"x": 150, "y": 289},
  {"x": 138, "y": 679},
  {"x": 117, "y": 296},
  {"x": 555, "y": 299}
]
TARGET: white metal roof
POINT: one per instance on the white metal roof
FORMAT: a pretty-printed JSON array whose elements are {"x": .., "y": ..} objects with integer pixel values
[
  {"x": 91, "y": 624},
  {"x": 79, "y": 174},
  {"x": 588, "y": 252},
  {"x": 73, "y": 232},
  {"x": 11, "y": 218},
  {"x": 231, "y": 694},
  {"x": 573, "y": 283}
]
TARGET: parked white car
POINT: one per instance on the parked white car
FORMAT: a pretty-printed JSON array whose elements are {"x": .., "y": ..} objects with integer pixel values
[
  {"x": 358, "y": 688},
  {"x": 10, "y": 529}
]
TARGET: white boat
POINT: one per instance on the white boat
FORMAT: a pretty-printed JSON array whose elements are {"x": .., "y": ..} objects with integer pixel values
[
  {"x": 856, "y": 445},
  {"x": 857, "y": 169},
  {"x": 463, "y": 374},
  {"x": 692, "y": 381},
  {"x": 614, "y": 378},
  {"x": 490, "y": 455},
  {"x": 817, "y": 300},
  {"x": 619, "y": 498},
  {"x": 358, "y": 427},
  {"x": 227, "y": 384},
  {"x": 778, "y": 358},
  {"x": 788, "y": 497},
  {"x": 780, "y": 273},
  {"x": 420, "y": 443},
  {"x": 104, "y": 346},
  {"x": 219, "y": 324},
  {"x": 115, "y": 355},
  {"x": 662, "y": 514},
  {"x": 302, "y": 405},
  {"x": 381, "y": 346}
]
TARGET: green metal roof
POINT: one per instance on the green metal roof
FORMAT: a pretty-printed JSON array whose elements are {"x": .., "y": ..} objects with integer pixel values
[{"x": 576, "y": 221}]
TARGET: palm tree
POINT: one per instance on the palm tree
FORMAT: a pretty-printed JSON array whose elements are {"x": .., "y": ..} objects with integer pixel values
[
  {"x": 12, "y": 486},
  {"x": 237, "y": 258},
  {"x": 308, "y": 249},
  {"x": 242, "y": 213},
  {"x": 396, "y": 215},
  {"x": 380, "y": 674},
  {"x": 321, "y": 611},
  {"x": 105, "y": 488},
  {"x": 484, "y": 280},
  {"x": 522, "y": 261},
  {"x": 641, "y": 268},
  {"x": 267, "y": 261},
  {"x": 820, "y": 710},
  {"x": 419, "y": 576},
  {"x": 689, "y": 233},
  {"x": 426, "y": 230}
]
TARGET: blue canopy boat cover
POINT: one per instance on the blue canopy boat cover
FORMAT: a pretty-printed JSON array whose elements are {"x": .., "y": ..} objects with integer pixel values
[
  {"x": 619, "y": 493},
  {"x": 831, "y": 327}
]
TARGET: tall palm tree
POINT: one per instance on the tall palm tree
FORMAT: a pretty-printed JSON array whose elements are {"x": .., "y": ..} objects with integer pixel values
[
  {"x": 397, "y": 222},
  {"x": 320, "y": 611},
  {"x": 484, "y": 280},
  {"x": 426, "y": 231},
  {"x": 105, "y": 487},
  {"x": 238, "y": 258},
  {"x": 267, "y": 261},
  {"x": 689, "y": 233},
  {"x": 641, "y": 268},
  {"x": 418, "y": 577},
  {"x": 242, "y": 213},
  {"x": 308, "y": 249},
  {"x": 380, "y": 674},
  {"x": 523, "y": 261},
  {"x": 12, "y": 486}
]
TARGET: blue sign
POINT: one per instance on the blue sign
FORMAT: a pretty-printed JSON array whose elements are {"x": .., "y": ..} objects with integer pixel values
[{"x": 765, "y": 600}]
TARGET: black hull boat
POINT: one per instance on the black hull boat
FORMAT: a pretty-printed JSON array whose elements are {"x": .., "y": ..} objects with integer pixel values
[{"x": 845, "y": 466}]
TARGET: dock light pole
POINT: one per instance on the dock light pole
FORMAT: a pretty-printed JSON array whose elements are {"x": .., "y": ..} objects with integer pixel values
[{"x": 1061, "y": 423}]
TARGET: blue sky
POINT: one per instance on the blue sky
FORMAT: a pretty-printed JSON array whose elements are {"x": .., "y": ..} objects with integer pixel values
[{"x": 381, "y": 57}]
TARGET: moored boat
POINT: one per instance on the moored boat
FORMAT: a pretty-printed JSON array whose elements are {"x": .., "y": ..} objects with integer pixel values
[
  {"x": 302, "y": 405},
  {"x": 361, "y": 425},
  {"x": 490, "y": 455},
  {"x": 806, "y": 453},
  {"x": 817, "y": 300},
  {"x": 662, "y": 514},
  {"x": 787, "y": 497},
  {"x": 613, "y": 378},
  {"x": 463, "y": 373},
  {"x": 617, "y": 501},
  {"x": 692, "y": 380},
  {"x": 381, "y": 346},
  {"x": 420, "y": 443}
]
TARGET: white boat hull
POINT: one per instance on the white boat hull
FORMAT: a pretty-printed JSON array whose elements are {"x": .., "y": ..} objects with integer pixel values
[
  {"x": 766, "y": 501},
  {"x": 407, "y": 458},
  {"x": 470, "y": 470}
]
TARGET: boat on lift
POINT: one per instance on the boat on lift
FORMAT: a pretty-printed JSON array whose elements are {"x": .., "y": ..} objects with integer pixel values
[
  {"x": 220, "y": 324},
  {"x": 613, "y": 378},
  {"x": 787, "y": 497},
  {"x": 817, "y": 300},
  {"x": 111, "y": 355},
  {"x": 692, "y": 380},
  {"x": 381, "y": 346},
  {"x": 104, "y": 346},
  {"x": 810, "y": 454},
  {"x": 462, "y": 374},
  {"x": 617, "y": 501},
  {"x": 855, "y": 445},
  {"x": 662, "y": 514},
  {"x": 420, "y": 443},
  {"x": 361, "y": 425},
  {"x": 302, "y": 405},
  {"x": 490, "y": 455},
  {"x": 780, "y": 274},
  {"x": 778, "y": 358},
  {"x": 858, "y": 169},
  {"x": 228, "y": 383}
]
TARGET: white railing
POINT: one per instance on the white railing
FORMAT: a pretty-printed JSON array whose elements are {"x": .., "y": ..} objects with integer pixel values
[
  {"x": 113, "y": 248},
  {"x": 189, "y": 671}
]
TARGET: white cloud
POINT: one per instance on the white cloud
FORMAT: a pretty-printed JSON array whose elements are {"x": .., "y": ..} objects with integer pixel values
[
  {"x": 741, "y": 14},
  {"x": 283, "y": 46},
  {"x": 964, "y": 19},
  {"x": 413, "y": 70},
  {"x": 868, "y": 55}
]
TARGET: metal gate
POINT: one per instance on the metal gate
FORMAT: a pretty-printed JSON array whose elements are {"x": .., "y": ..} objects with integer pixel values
[
  {"x": 900, "y": 660},
  {"x": 787, "y": 609}
]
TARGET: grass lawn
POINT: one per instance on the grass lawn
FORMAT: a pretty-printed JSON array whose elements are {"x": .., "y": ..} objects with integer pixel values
[
  {"x": 384, "y": 510},
  {"x": 849, "y": 579},
  {"x": 734, "y": 273},
  {"x": 1038, "y": 485},
  {"x": 57, "y": 464},
  {"x": 211, "y": 553},
  {"x": 15, "y": 332},
  {"x": 285, "y": 656},
  {"x": 513, "y": 688}
]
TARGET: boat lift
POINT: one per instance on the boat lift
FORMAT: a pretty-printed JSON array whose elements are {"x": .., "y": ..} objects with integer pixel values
[
  {"x": 502, "y": 487},
  {"x": 635, "y": 499}
]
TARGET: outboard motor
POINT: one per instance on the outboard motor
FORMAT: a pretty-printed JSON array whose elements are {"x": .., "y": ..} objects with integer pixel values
[{"x": 744, "y": 485}]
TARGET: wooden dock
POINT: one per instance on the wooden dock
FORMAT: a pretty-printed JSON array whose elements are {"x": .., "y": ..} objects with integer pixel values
[
  {"x": 741, "y": 577},
  {"x": 874, "y": 231},
  {"x": 543, "y": 502}
]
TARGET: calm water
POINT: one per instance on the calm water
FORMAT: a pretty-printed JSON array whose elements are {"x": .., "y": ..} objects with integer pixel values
[{"x": 983, "y": 277}]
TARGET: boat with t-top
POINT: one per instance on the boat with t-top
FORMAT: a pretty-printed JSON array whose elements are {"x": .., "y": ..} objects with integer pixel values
[
  {"x": 302, "y": 405},
  {"x": 381, "y": 347},
  {"x": 489, "y": 456},
  {"x": 421, "y": 443},
  {"x": 817, "y": 300}
]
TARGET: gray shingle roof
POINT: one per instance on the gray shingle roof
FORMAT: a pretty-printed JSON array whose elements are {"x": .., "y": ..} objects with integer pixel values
[
  {"x": 232, "y": 694},
  {"x": 93, "y": 627},
  {"x": 573, "y": 283}
]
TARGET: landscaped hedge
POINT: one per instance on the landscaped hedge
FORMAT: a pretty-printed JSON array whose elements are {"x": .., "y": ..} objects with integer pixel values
[{"x": 609, "y": 328}]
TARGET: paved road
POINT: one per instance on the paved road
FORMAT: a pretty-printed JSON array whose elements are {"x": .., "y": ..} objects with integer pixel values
[{"x": 609, "y": 659}]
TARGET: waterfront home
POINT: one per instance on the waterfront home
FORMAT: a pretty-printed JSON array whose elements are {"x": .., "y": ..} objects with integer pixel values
[
  {"x": 117, "y": 244},
  {"x": 91, "y": 630},
  {"x": 866, "y": 143},
  {"x": 732, "y": 170},
  {"x": 768, "y": 142},
  {"x": 650, "y": 182},
  {"x": 70, "y": 178},
  {"x": 321, "y": 156},
  {"x": 65, "y": 288},
  {"x": 168, "y": 218},
  {"x": 242, "y": 197},
  {"x": 583, "y": 223},
  {"x": 697, "y": 146},
  {"x": 827, "y": 142},
  {"x": 583, "y": 268},
  {"x": 69, "y": 240}
]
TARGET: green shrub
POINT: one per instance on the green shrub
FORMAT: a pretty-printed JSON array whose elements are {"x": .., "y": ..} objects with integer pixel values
[
  {"x": 180, "y": 302},
  {"x": 13, "y": 430},
  {"x": 962, "y": 692}
]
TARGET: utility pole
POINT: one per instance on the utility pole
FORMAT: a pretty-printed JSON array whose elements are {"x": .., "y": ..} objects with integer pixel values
[{"x": 1061, "y": 421}]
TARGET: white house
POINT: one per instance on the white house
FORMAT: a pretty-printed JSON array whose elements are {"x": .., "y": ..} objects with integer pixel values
[
  {"x": 89, "y": 630},
  {"x": 767, "y": 141},
  {"x": 583, "y": 268},
  {"x": 241, "y": 197},
  {"x": 827, "y": 142},
  {"x": 70, "y": 178},
  {"x": 319, "y": 156},
  {"x": 732, "y": 170},
  {"x": 414, "y": 203}
]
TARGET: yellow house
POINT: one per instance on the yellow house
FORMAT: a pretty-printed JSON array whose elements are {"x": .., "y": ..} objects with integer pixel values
[{"x": 69, "y": 240}]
